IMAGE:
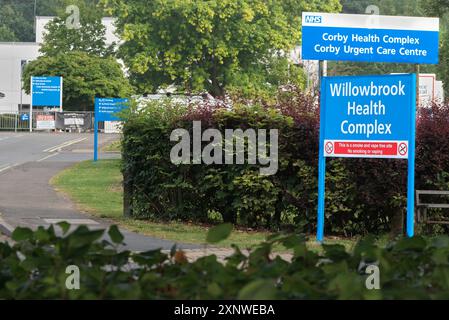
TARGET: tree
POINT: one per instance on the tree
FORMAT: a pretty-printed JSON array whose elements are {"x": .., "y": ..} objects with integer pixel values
[
  {"x": 14, "y": 25},
  {"x": 438, "y": 8},
  {"x": 85, "y": 77},
  {"x": 261, "y": 82},
  {"x": 202, "y": 45},
  {"x": 6, "y": 34},
  {"x": 65, "y": 33},
  {"x": 17, "y": 17}
]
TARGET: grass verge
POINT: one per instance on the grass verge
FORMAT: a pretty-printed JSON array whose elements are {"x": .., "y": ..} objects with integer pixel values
[
  {"x": 96, "y": 188},
  {"x": 115, "y": 146}
]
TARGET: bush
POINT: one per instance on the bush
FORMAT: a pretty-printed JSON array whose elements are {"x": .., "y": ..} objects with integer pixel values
[
  {"x": 35, "y": 268},
  {"x": 362, "y": 195}
]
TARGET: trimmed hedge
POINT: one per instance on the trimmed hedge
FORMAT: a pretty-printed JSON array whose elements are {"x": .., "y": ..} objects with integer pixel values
[
  {"x": 35, "y": 268},
  {"x": 362, "y": 195}
]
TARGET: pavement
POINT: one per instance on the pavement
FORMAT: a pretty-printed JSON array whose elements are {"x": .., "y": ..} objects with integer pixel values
[
  {"x": 27, "y": 163},
  {"x": 223, "y": 253}
]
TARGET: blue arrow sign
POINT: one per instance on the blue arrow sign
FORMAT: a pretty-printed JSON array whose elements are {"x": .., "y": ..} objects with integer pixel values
[{"x": 106, "y": 109}]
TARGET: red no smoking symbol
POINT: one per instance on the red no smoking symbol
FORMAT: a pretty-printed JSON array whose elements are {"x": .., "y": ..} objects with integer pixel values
[
  {"x": 402, "y": 149},
  {"x": 329, "y": 147}
]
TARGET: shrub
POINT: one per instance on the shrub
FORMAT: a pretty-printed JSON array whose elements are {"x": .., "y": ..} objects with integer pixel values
[
  {"x": 362, "y": 195},
  {"x": 35, "y": 268}
]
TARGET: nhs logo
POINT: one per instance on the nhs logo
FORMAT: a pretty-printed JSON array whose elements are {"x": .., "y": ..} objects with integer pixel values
[{"x": 313, "y": 19}]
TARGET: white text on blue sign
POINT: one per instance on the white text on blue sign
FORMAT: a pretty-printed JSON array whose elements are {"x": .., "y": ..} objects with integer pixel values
[
  {"x": 351, "y": 37},
  {"x": 367, "y": 116}
]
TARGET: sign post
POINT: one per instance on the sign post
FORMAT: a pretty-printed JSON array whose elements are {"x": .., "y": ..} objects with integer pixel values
[
  {"x": 367, "y": 117},
  {"x": 105, "y": 110}
]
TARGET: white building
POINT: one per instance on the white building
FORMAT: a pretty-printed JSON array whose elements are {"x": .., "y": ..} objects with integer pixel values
[{"x": 12, "y": 56}]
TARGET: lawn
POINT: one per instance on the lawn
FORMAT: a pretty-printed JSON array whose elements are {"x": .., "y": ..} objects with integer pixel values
[
  {"x": 115, "y": 146},
  {"x": 96, "y": 188}
]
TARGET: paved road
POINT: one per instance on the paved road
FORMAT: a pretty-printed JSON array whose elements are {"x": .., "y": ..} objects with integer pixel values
[{"x": 28, "y": 161}]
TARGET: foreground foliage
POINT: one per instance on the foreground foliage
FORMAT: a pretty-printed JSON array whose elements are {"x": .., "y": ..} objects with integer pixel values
[{"x": 35, "y": 267}]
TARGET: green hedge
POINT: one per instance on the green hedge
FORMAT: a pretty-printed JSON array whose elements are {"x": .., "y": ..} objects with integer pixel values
[
  {"x": 35, "y": 268},
  {"x": 362, "y": 195}
]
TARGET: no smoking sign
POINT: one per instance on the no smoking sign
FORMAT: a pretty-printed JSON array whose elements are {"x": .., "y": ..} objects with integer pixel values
[
  {"x": 402, "y": 149},
  {"x": 329, "y": 148}
]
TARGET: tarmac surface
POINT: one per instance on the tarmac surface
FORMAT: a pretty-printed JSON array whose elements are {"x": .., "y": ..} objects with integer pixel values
[{"x": 27, "y": 163}]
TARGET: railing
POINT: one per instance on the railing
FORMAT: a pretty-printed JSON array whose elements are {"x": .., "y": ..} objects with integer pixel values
[{"x": 41, "y": 120}]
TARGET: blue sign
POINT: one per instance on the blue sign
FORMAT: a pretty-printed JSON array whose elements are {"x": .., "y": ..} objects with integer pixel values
[
  {"x": 370, "y": 38},
  {"x": 25, "y": 117},
  {"x": 46, "y": 91},
  {"x": 367, "y": 117},
  {"x": 106, "y": 109}
]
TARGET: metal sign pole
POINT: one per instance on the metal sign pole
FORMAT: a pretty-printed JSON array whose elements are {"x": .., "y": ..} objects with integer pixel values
[
  {"x": 96, "y": 103},
  {"x": 31, "y": 107},
  {"x": 95, "y": 139},
  {"x": 321, "y": 160},
  {"x": 411, "y": 160},
  {"x": 60, "y": 93}
]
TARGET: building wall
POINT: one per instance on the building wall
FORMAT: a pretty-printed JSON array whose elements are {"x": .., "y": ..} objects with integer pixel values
[{"x": 11, "y": 55}]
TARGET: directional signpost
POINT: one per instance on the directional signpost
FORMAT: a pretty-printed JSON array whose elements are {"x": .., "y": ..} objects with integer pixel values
[
  {"x": 45, "y": 92},
  {"x": 106, "y": 109},
  {"x": 25, "y": 117},
  {"x": 368, "y": 116}
]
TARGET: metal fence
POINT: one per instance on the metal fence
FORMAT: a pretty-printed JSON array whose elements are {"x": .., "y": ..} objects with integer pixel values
[{"x": 79, "y": 121}]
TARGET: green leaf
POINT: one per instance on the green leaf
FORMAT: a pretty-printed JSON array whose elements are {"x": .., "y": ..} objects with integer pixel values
[
  {"x": 258, "y": 290},
  {"x": 65, "y": 226},
  {"x": 20, "y": 234},
  {"x": 219, "y": 233},
  {"x": 173, "y": 250},
  {"x": 416, "y": 243},
  {"x": 115, "y": 234}
]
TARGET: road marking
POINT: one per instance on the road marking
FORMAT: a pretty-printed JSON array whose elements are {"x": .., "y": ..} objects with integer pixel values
[
  {"x": 7, "y": 167},
  {"x": 63, "y": 145},
  {"x": 47, "y": 157},
  {"x": 5, "y": 228}
]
